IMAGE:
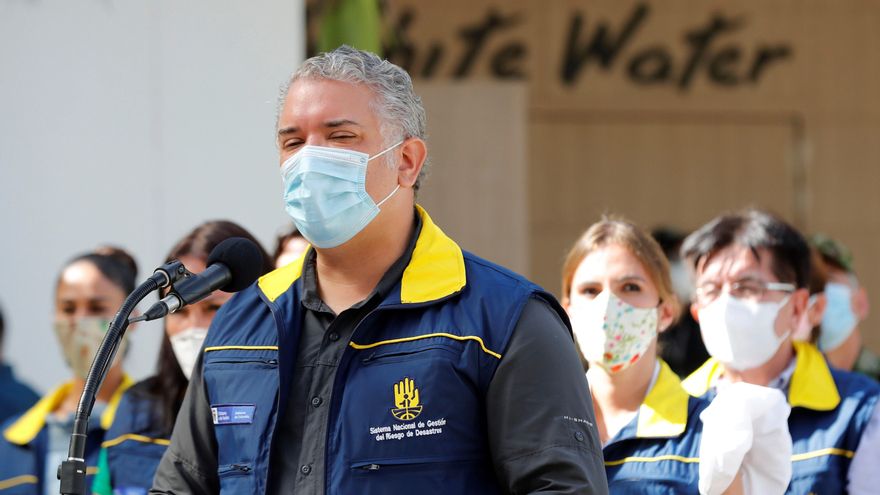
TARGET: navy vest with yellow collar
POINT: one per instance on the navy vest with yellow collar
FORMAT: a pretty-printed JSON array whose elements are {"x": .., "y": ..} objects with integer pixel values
[
  {"x": 830, "y": 409},
  {"x": 407, "y": 408},
  {"x": 25, "y": 443},
  {"x": 658, "y": 452}
]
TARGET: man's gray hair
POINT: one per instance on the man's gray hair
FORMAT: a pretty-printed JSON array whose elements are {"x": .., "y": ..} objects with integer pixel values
[{"x": 399, "y": 109}]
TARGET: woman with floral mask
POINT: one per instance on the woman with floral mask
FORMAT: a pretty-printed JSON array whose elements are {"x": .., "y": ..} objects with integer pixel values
[
  {"x": 89, "y": 291},
  {"x": 142, "y": 428},
  {"x": 618, "y": 293}
]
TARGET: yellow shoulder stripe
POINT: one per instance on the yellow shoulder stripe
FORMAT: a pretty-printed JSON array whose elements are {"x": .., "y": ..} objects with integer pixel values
[
  {"x": 25, "y": 479},
  {"x": 136, "y": 438},
  {"x": 822, "y": 452},
  {"x": 276, "y": 282},
  {"x": 812, "y": 385},
  {"x": 664, "y": 412},
  {"x": 700, "y": 381},
  {"x": 91, "y": 470},
  {"x": 461, "y": 338},
  {"x": 29, "y": 425},
  {"x": 110, "y": 411},
  {"x": 242, "y": 348},
  {"x": 659, "y": 458}
]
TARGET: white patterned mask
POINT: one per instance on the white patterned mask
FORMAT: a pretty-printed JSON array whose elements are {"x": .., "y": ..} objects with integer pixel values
[{"x": 612, "y": 333}]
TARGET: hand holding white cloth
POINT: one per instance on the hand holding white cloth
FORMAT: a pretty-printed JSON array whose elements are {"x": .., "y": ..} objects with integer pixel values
[{"x": 745, "y": 430}]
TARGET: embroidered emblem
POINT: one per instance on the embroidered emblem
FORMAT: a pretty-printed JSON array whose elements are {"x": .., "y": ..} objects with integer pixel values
[{"x": 406, "y": 398}]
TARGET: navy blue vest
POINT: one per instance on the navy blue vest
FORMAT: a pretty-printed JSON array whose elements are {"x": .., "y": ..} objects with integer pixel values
[
  {"x": 658, "y": 452},
  {"x": 25, "y": 441},
  {"x": 408, "y": 399},
  {"x": 134, "y": 444},
  {"x": 830, "y": 409}
]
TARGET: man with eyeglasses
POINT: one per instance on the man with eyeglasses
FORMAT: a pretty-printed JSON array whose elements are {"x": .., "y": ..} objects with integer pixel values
[{"x": 752, "y": 271}]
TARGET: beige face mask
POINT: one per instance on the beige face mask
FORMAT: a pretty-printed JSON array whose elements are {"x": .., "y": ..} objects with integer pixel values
[{"x": 80, "y": 342}]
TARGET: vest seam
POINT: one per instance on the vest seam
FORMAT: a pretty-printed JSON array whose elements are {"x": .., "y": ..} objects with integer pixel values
[
  {"x": 241, "y": 348},
  {"x": 823, "y": 453},
  {"x": 460, "y": 338},
  {"x": 23, "y": 479},
  {"x": 135, "y": 437},
  {"x": 659, "y": 458}
]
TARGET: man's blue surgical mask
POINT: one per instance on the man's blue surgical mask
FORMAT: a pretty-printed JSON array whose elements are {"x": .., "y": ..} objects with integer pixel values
[
  {"x": 839, "y": 320},
  {"x": 325, "y": 193}
]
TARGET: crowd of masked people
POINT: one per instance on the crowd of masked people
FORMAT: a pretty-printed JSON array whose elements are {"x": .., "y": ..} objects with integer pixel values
[{"x": 729, "y": 357}]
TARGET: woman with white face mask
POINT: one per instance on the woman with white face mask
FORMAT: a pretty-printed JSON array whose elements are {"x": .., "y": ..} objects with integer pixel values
[
  {"x": 89, "y": 291},
  {"x": 617, "y": 291},
  {"x": 142, "y": 428}
]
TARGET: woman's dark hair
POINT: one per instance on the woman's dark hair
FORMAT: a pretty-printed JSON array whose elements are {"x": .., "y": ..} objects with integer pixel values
[
  {"x": 755, "y": 230},
  {"x": 169, "y": 384},
  {"x": 114, "y": 263}
]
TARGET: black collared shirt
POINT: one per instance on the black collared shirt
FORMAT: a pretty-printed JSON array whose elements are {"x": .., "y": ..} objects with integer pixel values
[
  {"x": 297, "y": 464},
  {"x": 530, "y": 445}
]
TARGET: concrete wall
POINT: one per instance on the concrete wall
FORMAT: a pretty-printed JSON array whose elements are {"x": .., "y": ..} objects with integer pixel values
[{"x": 130, "y": 123}]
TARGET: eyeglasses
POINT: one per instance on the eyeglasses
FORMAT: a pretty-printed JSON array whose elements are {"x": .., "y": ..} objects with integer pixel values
[{"x": 750, "y": 290}]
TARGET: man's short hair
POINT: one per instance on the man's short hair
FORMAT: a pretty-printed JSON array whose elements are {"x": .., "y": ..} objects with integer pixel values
[
  {"x": 756, "y": 230},
  {"x": 399, "y": 109}
]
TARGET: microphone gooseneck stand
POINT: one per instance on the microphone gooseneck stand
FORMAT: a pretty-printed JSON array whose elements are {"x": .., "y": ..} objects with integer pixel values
[{"x": 72, "y": 472}]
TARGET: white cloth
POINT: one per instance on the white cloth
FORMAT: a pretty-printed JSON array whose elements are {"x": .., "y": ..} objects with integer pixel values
[{"x": 745, "y": 430}]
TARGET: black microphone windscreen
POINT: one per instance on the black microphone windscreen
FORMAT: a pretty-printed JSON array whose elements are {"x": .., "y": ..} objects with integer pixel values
[{"x": 242, "y": 257}]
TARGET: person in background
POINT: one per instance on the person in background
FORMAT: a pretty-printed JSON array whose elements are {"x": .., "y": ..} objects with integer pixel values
[
  {"x": 89, "y": 291},
  {"x": 139, "y": 434},
  {"x": 840, "y": 337},
  {"x": 752, "y": 272},
  {"x": 289, "y": 246},
  {"x": 680, "y": 346},
  {"x": 15, "y": 396},
  {"x": 617, "y": 289}
]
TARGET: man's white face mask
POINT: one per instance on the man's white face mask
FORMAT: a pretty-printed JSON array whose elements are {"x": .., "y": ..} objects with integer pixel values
[{"x": 741, "y": 333}]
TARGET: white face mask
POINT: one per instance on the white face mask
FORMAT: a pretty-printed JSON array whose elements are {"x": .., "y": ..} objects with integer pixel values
[
  {"x": 612, "y": 333},
  {"x": 186, "y": 346},
  {"x": 741, "y": 334}
]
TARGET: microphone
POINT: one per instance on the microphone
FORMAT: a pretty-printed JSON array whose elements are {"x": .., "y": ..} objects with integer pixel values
[{"x": 233, "y": 265}]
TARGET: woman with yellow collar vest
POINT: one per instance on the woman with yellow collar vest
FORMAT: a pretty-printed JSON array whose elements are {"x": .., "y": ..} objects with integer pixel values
[
  {"x": 617, "y": 290},
  {"x": 90, "y": 289},
  {"x": 752, "y": 271},
  {"x": 140, "y": 433}
]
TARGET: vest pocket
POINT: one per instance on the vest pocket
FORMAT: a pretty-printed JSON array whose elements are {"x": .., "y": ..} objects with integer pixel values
[
  {"x": 437, "y": 475},
  {"x": 243, "y": 392},
  {"x": 236, "y": 478}
]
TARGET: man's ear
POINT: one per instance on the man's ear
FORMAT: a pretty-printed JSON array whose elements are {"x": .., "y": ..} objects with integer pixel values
[
  {"x": 800, "y": 301},
  {"x": 861, "y": 306},
  {"x": 413, "y": 154},
  {"x": 695, "y": 314}
]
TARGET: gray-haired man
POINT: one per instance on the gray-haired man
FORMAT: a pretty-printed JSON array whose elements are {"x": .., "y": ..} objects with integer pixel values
[{"x": 386, "y": 359}]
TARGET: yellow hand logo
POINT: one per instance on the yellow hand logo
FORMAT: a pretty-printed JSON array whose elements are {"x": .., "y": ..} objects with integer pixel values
[
  {"x": 406, "y": 400},
  {"x": 406, "y": 394}
]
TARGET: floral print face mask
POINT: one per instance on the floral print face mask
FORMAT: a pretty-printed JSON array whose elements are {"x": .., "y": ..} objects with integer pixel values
[{"x": 612, "y": 333}]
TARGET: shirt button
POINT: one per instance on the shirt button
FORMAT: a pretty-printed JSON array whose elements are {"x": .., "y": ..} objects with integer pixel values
[
  {"x": 305, "y": 469},
  {"x": 333, "y": 336},
  {"x": 579, "y": 436},
  {"x": 316, "y": 401}
]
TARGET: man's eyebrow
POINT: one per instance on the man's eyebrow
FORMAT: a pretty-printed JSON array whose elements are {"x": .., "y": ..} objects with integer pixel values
[
  {"x": 288, "y": 130},
  {"x": 330, "y": 123},
  {"x": 340, "y": 123}
]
